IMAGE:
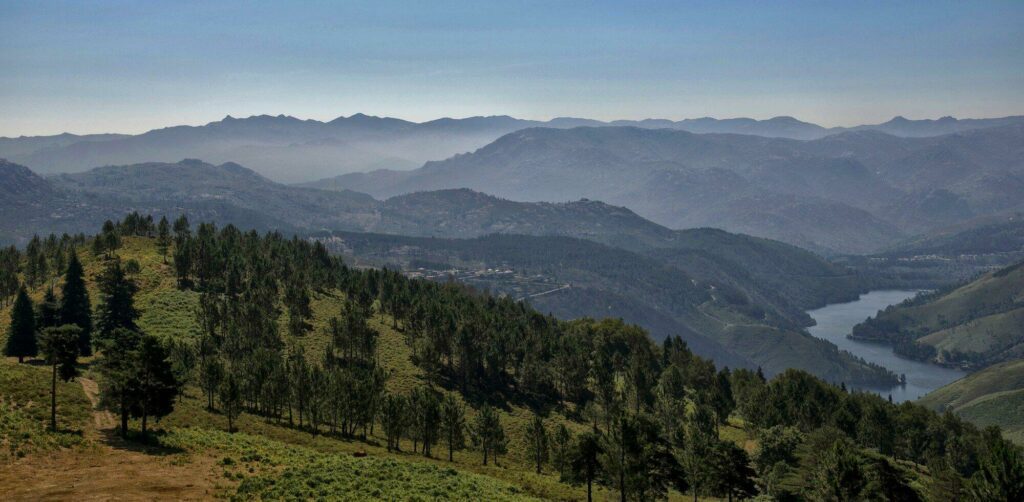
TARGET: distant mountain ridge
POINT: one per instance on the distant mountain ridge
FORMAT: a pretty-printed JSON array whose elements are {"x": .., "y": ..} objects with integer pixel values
[
  {"x": 288, "y": 149},
  {"x": 853, "y": 192}
]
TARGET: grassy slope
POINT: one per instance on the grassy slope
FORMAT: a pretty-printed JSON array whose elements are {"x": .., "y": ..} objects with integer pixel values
[
  {"x": 983, "y": 316},
  {"x": 993, "y": 396},
  {"x": 169, "y": 312}
]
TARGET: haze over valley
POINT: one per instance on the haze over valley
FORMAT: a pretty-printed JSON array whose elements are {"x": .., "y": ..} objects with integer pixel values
[{"x": 515, "y": 251}]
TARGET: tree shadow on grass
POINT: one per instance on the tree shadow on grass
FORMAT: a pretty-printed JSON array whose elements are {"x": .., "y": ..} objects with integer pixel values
[{"x": 149, "y": 444}]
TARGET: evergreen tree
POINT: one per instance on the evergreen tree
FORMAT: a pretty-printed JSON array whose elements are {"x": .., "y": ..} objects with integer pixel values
[
  {"x": 211, "y": 374},
  {"x": 48, "y": 311},
  {"x": 537, "y": 442},
  {"x": 393, "y": 419},
  {"x": 584, "y": 466},
  {"x": 1000, "y": 476},
  {"x": 21, "y": 334},
  {"x": 453, "y": 424},
  {"x": 488, "y": 434},
  {"x": 110, "y": 236},
  {"x": 183, "y": 262},
  {"x": 156, "y": 386},
  {"x": 561, "y": 445},
  {"x": 163, "y": 237},
  {"x": 117, "y": 302},
  {"x": 837, "y": 474},
  {"x": 231, "y": 399},
  {"x": 731, "y": 472},
  {"x": 700, "y": 439},
  {"x": 118, "y": 368},
  {"x": 74, "y": 303},
  {"x": 99, "y": 246},
  {"x": 59, "y": 346}
]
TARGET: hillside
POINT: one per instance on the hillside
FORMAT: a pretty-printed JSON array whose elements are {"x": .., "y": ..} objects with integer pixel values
[
  {"x": 972, "y": 326},
  {"x": 574, "y": 278},
  {"x": 288, "y": 149},
  {"x": 992, "y": 396},
  {"x": 190, "y": 456},
  {"x": 786, "y": 277},
  {"x": 853, "y": 192}
]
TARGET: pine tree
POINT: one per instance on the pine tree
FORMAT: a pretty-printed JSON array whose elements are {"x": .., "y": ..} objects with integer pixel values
[
  {"x": 837, "y": 474},
  {"x": 74, "y": 303},
  {"x": 117, "y": 302},
  {"x": 59, "y": 346},
  {"x": 393, "y": 419},
  {"x": 21, "y": 334},
  {"x": 156, "y": 385},
  {"x": 453, "y": 424},
  {"x": 211, "y": 374},
  {"x": 118, "y": 368},
  {"x": 488, "y": 434},
  {"x": 584, "y": 466},
  {"x": 231, "y": 399},
  {"x": 537, "y": 441},
  {"x": 561, "y": 445},
  {"x": 1000, "y": 475},
  {"x": 163, "y": 237},
  {"x": 48, "y": 311}
]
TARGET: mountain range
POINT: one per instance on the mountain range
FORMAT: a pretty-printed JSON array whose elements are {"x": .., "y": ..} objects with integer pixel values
[
  {"x": 289, "y": 149},
  {"x": 720, "y": 290},
  {"x": 853, "y": 192}
]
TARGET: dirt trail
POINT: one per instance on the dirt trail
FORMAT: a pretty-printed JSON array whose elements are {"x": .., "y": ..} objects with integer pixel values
[
  {"x": 110, "y": 468},
  {"x": 103, "y": 419}
]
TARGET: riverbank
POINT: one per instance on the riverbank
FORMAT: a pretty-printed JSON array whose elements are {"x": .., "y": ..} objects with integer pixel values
[{"x": 834, "y": 322}]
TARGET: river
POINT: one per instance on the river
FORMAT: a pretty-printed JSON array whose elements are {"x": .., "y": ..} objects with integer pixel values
[{"x": 836, "y": 321}]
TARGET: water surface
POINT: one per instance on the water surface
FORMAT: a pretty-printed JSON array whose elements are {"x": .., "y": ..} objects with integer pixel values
[{"x": 837, "y": 320}]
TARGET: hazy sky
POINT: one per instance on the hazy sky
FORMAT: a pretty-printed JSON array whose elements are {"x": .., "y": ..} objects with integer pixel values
[{"x": 133, "y": 66}]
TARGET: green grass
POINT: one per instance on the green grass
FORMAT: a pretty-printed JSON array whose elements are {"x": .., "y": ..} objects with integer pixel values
[
  {"x": 286, "y": 456},
  {"x": 981, "y": 317},
  {"x": 992, "y": 396},
  {"x": 25, "y": 411},
  {"x": 275, "y": 470}
]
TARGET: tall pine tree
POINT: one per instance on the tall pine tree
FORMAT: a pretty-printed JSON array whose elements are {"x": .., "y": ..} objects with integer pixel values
[
  {"x": 60, "y": 347},
  {"x": 117, "y": 304},
  {"x": 74, "y": 303},
  {"x": 21, "y": 335}
]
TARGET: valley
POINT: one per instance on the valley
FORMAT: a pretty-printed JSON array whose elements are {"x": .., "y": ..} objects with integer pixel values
[
  {"x": 835, "y": 323},
  {"x": 512, "y": 251}
]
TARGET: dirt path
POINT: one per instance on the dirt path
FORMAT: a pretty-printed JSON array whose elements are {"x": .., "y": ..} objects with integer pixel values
[
  {"x": 103, "y": 419},
  {"x": 110, "y": 468}
]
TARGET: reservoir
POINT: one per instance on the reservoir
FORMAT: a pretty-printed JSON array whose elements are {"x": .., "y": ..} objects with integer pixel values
[{"x": 836, "y": 321}]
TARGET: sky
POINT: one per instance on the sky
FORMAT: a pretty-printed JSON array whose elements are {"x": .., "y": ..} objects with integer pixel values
[{"x": 99, "y": 66}]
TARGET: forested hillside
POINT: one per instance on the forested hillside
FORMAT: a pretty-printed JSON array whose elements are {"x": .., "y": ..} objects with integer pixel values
[
  {"x": 971, "y": 326},
  {"x": 733, "y": 319},
  {"x": 328, "y": 373}
]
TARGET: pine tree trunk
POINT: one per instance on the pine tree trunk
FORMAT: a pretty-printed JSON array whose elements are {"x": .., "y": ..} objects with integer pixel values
[
  {"x": 53, "y": 400},
  {"x": 590, "y": 492},
  {"x": 124, "y": 421}
]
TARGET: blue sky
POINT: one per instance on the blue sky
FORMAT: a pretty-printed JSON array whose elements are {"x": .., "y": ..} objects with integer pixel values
[{"x": 131, "y": 66}]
